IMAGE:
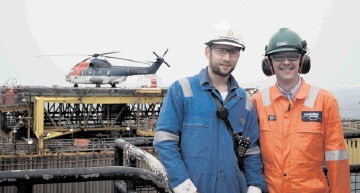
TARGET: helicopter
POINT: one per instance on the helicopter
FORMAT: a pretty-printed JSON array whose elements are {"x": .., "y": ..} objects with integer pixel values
[{"x": 94, "y": 70}]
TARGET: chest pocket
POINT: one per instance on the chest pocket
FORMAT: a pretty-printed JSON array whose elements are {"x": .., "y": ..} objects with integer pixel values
[
  {"x": 266, "y": 142},
  {"x": 310, "y": 130},
  {"x": 310, "y": 140},
  {"x": 195, "y": 138}
]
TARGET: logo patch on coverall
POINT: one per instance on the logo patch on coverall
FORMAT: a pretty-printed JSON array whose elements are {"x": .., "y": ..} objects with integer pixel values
[
  {"x": 311, "y": 116},
  {"x": 272, "y": 118}
]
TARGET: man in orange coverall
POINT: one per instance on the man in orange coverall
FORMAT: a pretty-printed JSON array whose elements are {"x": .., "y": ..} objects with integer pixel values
[{"x": 300, "y": 126}]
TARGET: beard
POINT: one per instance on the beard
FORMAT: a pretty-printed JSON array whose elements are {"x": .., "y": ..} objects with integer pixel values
[{"x": 215, "y": 67}]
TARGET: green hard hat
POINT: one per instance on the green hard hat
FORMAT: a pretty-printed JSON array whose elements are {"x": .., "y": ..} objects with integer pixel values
[{"x": 285, "y": 40}]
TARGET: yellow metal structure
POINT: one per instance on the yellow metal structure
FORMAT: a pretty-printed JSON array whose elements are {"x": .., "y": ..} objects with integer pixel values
[
  {"x": 52, "y": 112},
  {"x": 353, "y": 149},
  {"x": 39, "y": 102}
]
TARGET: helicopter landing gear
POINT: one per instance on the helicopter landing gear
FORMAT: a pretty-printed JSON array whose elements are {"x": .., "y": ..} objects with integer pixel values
[
  {"x": 113, "y": 85},
  {"x": 76, "y": 85},
  {"x": 97, "y": 85}
]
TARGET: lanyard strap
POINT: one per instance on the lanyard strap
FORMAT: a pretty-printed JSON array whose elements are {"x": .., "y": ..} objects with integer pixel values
[
  {"x": 223, "y": 114},
  {"x": 240, "y": 146}
]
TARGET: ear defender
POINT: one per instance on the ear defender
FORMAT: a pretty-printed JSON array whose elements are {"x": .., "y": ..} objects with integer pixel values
[
  {"x": 304, "y": 67},
  {"x": 267, "y": 67},
  {"x": 286, "y": 40},
  {"x": 305, "y": 64}
]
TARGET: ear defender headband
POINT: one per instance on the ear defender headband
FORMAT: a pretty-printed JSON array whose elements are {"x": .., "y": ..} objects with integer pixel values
[{"x": 305, "y": 64}]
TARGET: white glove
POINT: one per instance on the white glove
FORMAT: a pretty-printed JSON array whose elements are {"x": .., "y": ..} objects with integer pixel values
[
  {"x": 186, "y": 186},
  {"x": 253, "y": 189}
]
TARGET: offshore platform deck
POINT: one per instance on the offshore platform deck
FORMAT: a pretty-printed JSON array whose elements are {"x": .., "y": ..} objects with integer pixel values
[
  {"x": 35, "y": 114},
  {"x": 62, "y": 130}
]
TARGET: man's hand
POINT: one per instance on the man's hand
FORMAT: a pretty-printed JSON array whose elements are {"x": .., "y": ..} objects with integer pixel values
[
  {"x": 253, "y": 189},
  {"x": 186, "y": 187}
]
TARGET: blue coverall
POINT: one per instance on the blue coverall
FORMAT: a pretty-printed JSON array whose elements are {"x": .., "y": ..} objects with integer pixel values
[{"x": 192, "y": 142}]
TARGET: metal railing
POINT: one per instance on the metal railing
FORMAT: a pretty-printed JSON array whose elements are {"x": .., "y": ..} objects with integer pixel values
[
  {"x": 351, "y": 134},
  {"x": 354, "y": 168},
  {"x": 25, "y": 179},
  {"x": 355, "y": 178},
  {"x": 136, "y": 157},
  {"x": 138, "y": 172},
  {"x": 130, "y": 179},
  {"x": 59, "y": 146}
]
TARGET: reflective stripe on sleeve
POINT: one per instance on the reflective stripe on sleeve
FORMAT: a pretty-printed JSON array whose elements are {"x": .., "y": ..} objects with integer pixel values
[
  {"x": 255, "y": 150},
  {"x": 249, "y": 103},
  {"x": 186, "y": 88},
  {"x": 165, "y": 136},
  {"x": 265, "y": 94},
  {"x": 310, "y": 100},
  {"x": 335, "y": 155}
]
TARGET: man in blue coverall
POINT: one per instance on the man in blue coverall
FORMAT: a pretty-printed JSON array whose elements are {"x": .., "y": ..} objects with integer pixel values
[{"x": 194, "y": 145}]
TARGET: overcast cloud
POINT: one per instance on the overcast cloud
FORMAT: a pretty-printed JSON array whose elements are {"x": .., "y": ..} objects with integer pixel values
[{"x": 136, "y": 28}]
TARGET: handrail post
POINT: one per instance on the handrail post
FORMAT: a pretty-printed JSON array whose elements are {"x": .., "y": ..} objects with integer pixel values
[
  {"x": 119, "y": 161},
  {"x": 24, "y": 188},
  {"x": 119, "y": 156},
  {"x": 131, "y": 184}
]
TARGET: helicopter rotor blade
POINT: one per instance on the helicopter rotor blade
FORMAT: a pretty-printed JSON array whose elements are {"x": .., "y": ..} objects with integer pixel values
[
  {"x": 156, "y": 55},
  {"x": 165, "y": 52},
  {"x": 126, "y": 59},
  {"x": 61, "y": 55},
  {"x": 102, "y": 54},
  {"x": 86, "y": 59},
  {"x": 167, "y": 64},
  {"x": 162, "y": 57},
  {"x": 89, "y": 55},
  {"x": 106, "y": 53}
]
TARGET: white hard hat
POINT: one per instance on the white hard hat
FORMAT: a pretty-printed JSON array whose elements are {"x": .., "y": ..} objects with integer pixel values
[{"x": 227, "y": 37}]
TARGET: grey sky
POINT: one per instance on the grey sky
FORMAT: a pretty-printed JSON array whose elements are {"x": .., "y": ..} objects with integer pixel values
[{"x": 136, "y": 28}]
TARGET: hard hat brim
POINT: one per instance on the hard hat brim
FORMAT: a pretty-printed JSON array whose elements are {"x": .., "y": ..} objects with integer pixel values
[
  {"x": 281, "y": 50},
  {"x": 226, "y": 43}
]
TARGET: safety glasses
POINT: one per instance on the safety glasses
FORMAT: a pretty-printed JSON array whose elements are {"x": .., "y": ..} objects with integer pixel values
[
  {"x": 222, "y": 51},
  {"x": 281, "y": 57}
]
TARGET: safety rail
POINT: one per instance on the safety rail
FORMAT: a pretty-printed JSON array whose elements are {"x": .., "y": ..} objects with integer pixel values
[
  {"x": 351, "y": 134},
  {"x": 153, "y": 164},
  {"x": 24, "y": 180},
  {"x": 136, "y": 157},
  {"x": 355, "y": 178},
  {"x": 128, "y": 178},
  {"x": 59, "y": 146},
  {"x": 138, "y": 172}
]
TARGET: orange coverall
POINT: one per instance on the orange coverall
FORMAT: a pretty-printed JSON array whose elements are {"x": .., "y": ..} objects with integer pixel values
[{"x": 297, "y": 136}]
